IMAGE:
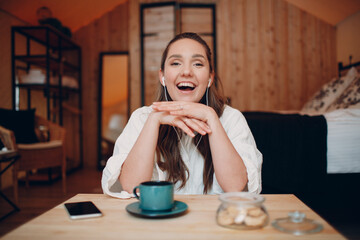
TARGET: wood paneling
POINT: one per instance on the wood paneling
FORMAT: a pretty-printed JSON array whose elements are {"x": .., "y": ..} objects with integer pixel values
[
  {"x": 6, "y": 21},
  {"x": 155, "y": 40},
  {"x": 347, "y": 39},
  {"x": 268, "y": 50},
  {"x": 108, "y": 33},
  {"x": 196, "y": 20},
  {"x": 134, "y": 54},
  {"x": 154, "y": 16},
  {"x": 272, "y": 55}
]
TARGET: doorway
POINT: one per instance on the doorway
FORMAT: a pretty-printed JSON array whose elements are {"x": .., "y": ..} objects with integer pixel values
[{"x": 113, "y": 101}]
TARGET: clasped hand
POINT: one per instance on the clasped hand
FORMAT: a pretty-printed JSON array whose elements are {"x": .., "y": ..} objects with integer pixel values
[{"x": 187, "y": 116}]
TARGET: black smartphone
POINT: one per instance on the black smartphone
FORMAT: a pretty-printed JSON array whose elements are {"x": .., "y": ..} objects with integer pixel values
[{"x": 79, "y": 210}]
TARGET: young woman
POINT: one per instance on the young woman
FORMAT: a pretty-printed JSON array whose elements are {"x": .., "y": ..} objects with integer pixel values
[{"x": 189, "y": 136}]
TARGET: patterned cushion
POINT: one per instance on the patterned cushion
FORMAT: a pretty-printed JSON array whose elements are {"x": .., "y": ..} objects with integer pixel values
[
  {"x": 329, "y": 92},
  {"x": 350, "y": 98}
]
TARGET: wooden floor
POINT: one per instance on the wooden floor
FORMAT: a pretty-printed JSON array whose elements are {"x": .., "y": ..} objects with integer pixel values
[{"x": 40, "y": 197}]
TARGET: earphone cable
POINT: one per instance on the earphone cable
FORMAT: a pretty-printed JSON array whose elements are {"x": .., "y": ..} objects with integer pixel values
[{"x": 177, "y": 134}]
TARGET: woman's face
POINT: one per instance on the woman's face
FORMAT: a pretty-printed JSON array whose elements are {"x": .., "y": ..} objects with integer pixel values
[{"x": 186, "y": 71}]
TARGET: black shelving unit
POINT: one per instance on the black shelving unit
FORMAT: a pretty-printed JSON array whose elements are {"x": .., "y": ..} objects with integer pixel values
[{"x": 45, "y": 48}]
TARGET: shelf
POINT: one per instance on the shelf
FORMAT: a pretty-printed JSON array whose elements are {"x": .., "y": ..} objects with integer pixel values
[
  {"x": 56, "y": 40},
  {"x": 40, "y": 60},
  {"x": 71, "y": 109},
  {"x": 47, "y": 49},
  {"x": 42, "y": 86}
]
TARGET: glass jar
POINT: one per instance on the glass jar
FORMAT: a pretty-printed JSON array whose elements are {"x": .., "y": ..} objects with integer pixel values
[{"x": 242, "y": 210}]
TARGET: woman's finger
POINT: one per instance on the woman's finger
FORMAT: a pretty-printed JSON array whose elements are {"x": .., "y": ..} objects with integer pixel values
[
  {"x": 185, "y": 109},
  {"x": 196, "y": 125},
  {"x": 202, "y": 125},
  {"x": 168, "y": 106},
  {"x": 166, "y": 119},
  {"x": 181, "y": 124}
]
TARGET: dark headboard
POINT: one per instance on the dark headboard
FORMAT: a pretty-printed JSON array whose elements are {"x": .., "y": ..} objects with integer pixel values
[{"x": 342, "y": 69}]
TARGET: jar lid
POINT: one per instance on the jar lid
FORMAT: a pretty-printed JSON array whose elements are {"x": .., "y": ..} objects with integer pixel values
[
  {"x": 297, "y": 224},
  {"x": 242, "y": 198}
]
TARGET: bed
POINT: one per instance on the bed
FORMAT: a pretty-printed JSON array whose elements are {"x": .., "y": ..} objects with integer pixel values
[
  {"x": 315, "y": 153},
  {"x": 316, "y": 150}
]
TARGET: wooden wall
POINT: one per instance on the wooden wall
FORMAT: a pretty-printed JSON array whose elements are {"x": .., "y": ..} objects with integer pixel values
[
  {"x": 6, "y": 22},
  {"x": 271, "y": 56},
  {"x": 347, "y": 39},
  {"x": 108, "y": 33}
]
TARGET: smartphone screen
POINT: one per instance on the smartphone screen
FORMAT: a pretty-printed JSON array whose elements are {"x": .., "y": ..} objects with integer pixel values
[{"x": 78, "y": 210}]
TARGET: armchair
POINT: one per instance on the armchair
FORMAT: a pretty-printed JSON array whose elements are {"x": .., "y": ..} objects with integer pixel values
[{"x": 37, "y": 155}]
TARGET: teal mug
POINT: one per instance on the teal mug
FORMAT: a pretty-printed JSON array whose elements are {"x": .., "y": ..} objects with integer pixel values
[{"x": 155, "y": 195}]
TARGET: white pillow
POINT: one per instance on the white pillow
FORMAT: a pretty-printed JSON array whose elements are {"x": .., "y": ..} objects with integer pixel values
[
  {"x": 350, "y": 98},
  {"x": 352, "y": 72},
  {"x": 329, "y": 92}
]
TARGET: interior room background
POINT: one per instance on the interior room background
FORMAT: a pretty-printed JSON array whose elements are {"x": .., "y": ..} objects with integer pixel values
[{"x": 271, "y": 55}]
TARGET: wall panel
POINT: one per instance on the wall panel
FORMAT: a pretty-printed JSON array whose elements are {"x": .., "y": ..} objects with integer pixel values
[
  {"x": 108, "y": 33},
  {"x": 268, "y": 53},
  {"x": 347, "y": 39},
  {"x": 285, "y": 54}
]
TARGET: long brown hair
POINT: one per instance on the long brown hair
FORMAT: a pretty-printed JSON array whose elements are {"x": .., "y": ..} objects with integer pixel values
[{"x": 168, "y": 145}]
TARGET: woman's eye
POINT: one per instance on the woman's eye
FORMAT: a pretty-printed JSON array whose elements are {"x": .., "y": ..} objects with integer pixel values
[
  {"x": 175, "y": 64},
  {"x": 199, "y": 64}
]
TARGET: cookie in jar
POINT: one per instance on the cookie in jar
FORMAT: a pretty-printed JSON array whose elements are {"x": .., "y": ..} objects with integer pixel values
[{"x": 242, "y": 210}]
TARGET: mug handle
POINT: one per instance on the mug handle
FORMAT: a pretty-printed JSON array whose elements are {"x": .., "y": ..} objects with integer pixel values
[{"x": 134, "y": 191}]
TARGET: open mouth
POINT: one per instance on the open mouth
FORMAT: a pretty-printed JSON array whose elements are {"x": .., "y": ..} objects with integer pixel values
[{"x": 186, "y": 86}]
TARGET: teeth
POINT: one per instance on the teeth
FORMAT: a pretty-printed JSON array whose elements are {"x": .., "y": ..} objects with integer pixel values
[{"x": 186, "y": 84}]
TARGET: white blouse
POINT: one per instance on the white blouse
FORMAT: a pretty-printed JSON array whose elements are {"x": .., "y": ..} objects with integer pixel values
[{"x": 235, "y": 126}]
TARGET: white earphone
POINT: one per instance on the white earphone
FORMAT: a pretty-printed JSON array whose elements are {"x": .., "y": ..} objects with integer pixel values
[{"x": 209, "y": 83}]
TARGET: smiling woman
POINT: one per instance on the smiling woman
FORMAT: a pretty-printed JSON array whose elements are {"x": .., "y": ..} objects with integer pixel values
[
  {"x": 187, "y": 74},
  {"x": 189, "y": 136}
]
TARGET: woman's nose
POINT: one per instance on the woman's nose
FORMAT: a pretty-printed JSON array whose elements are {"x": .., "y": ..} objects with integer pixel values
[{"x": 186, "y": 71}]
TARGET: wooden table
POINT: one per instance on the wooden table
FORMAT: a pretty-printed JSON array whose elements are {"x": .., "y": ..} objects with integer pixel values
[{"x": 197, "y": 223}]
